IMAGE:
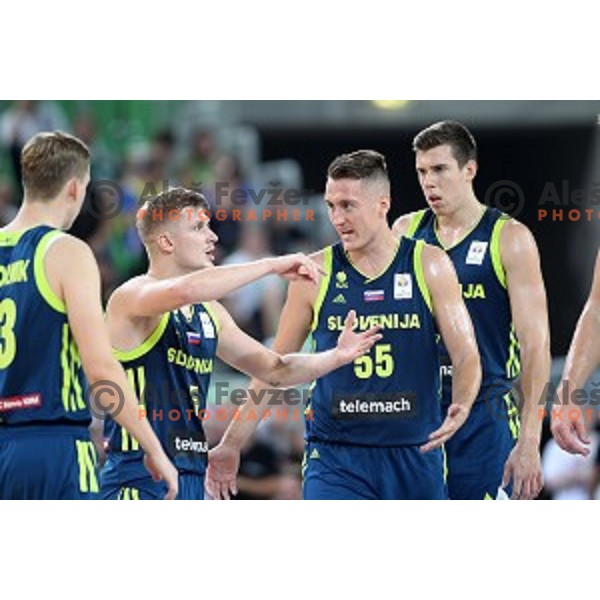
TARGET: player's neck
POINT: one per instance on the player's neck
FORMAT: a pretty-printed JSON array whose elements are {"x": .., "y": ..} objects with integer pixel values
[
  {"x": 164, "y": 268},
  {"x": 32, "y": 214},
  {"x": 464, "y": 217},
  {"x": 376, "y": 256}
]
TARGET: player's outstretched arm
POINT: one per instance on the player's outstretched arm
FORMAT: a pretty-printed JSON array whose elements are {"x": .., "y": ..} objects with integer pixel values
[
  {"x": 583, "y": 358},
  {"x": 249, "y": 356},
  {"x": 527, "y": 294},
  {"x": 73, "y": 275},
  {"x": 294, "y": 327},
  {"x": 146, "y": 296},
  {"x": 457, "y": 332}
]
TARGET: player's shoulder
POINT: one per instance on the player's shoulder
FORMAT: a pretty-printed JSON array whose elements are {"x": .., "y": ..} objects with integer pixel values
[
  {"x": 67, "y": 244},
  {"x": 515, "y": 239},
  {"x": 68, "y": 255},
  {"x": 403, "y": 222},
  {"x": 319, "y": 255},
  {"x": 434, "y": 257},
  {"x": 123, "y": 293}
]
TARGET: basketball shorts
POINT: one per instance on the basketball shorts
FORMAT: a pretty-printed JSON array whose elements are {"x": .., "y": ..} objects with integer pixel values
[
  {"x": 191, "y": 487},
  {"x": 343, "y": 472},
  {"x": 478, "y": 451},
  {"x": 47, "y": 462}
]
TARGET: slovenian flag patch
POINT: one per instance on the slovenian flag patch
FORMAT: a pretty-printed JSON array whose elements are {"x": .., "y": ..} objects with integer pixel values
[
  {"x": 373, "y": 295},
  {"x": 193, "y": 338}
]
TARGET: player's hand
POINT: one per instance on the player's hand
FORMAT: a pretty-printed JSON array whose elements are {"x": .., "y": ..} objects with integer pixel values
[
  {"x": 162, "y": 469},
  {"x": 524, "y": 469},
  {"x": 351, "y": 345},
  {"x": 297, "y": 266},
  {"x": 221, "y": 474},
  {"x": 570, "y": 434},
  {"x": 456, "y": 416}
]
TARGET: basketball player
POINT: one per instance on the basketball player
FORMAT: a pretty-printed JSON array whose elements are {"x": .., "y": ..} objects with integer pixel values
[
  {"x": 167, "y": 336},
  {"x": 583, "y": 358},
  {"x": 497, "y": 263},
  {"x": 374, "y": 429},
  {"x": 51, "y": 325}
]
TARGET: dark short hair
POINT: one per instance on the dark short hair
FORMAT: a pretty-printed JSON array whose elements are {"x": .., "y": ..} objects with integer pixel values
[
  {"x": 362, "y": 164},
  {"x": 49, "y": 160},
  {"x": 157, "y": 209},
  {"x": 456, "y": 135}
]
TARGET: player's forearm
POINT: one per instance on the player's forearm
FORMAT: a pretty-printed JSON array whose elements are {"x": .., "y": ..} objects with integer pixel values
[
  {"x": 584, "y": 354},
  {"x": 248, "y": 416},
  {"x": 466, "y": 379},
  {"x": 535, "y": 374},
  {"x": 216, "y": 282},
  {"x": 295, "y": 369}
]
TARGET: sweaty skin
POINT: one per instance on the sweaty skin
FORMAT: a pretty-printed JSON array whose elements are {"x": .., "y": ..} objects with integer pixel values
[{"x": 583, "y": 358}]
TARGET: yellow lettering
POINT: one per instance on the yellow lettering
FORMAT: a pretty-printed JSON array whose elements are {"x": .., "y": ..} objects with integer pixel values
[{"x": 15, "y": 272}]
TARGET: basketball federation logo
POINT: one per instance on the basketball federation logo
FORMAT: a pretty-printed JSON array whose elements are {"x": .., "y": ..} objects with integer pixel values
[
  {"x": 403, "y": 289},
  {"x": 476, "y": 253},
  {"x": 341, "y": 280}
]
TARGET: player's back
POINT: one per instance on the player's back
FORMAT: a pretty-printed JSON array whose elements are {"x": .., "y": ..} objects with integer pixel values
[
  {"x": 42, "y": 386},
  {"x": 41, "y": 379}
]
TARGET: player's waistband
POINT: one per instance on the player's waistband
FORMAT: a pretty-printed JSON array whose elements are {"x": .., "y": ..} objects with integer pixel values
[
  {"x": 43, "y": 428},
  {"x": 351, "y": 444}
]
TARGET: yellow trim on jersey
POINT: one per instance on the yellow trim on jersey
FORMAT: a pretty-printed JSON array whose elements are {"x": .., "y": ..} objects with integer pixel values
[
  {"x": 414, "y": 222},
  {"x": 495, "y": 251},
  {"x": 10, "y": 238},
  {"x": 213, "y": 315},
  {"x": 462, "y": 239},
  {"x": 513, "y": 364},
  {"x": 445, "y": 463},
  {"x": 86, "y": 457},
  {"x": 146, "y": 345},
  {"x": 420, "y": 275},
  {"x": 39, "y": 272},
  {"x": 71, "y": 392},
  {"x": 382, "y": 272},
  {"x": 136, "y": 377},
  {"x": 323, "y": 286},
  {"x": 513, "y": 417}
]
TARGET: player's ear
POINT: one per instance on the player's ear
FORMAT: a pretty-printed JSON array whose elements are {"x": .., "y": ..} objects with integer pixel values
[
  {"x": 164, "y": 242},
  {"x": 384, "y": 205},
  {"x": 71, "y": 189},
  {"x": 470, "y": 169}
]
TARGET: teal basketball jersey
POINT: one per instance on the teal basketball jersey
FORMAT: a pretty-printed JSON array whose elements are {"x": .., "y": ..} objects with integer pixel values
[
  {"x": 390, "y": 396},
  {"x": 41, "y": 379},
  {"x": 170, "y": 374},
  {"x": 477, "y": 262}
]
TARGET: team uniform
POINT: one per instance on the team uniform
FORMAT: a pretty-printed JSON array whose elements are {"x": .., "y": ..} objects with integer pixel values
[
  {"x": 170, "y": 374},
  {"x": 478, "y": 451},
  {"x": 45, "y": 448},
  {"x": 366, "y": 420}
]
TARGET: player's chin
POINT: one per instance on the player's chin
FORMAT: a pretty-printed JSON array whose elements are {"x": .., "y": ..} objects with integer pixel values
[{"x": 350, "y": 244}]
